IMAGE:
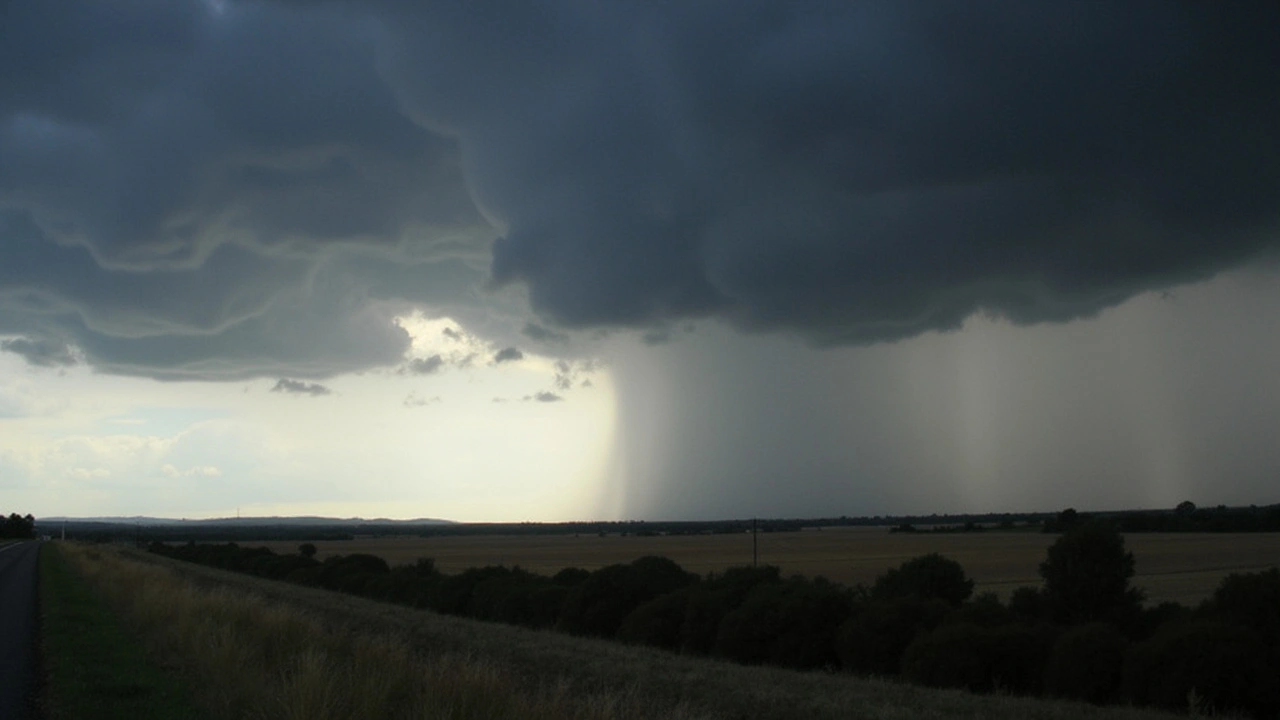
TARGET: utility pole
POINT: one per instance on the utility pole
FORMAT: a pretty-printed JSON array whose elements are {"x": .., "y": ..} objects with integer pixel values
[{"x": 755, "y": 545}]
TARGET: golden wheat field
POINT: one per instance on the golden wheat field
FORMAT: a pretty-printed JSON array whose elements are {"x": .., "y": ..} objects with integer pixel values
[{"x": 1182, "y": 567}]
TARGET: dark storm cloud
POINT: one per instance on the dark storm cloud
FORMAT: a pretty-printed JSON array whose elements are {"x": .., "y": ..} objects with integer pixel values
[
  {"x": 537, "y": 333},
  {"x": 425, "y": 366},
  {"x": 42, "y": 352},
  {"x": 297, "y": 387},
  {"x": 186, "y": 192},
  {"x": 656, "y": 337},
  {"x": 854, "y": 171},
  {"x": 509, "y": 354},
  {"x": 190, "y": 189}
]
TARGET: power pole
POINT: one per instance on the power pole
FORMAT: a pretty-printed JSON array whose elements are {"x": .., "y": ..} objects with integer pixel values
[{"x": 755, "y": 545}]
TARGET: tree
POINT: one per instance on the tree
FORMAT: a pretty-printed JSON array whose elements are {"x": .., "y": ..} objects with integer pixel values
[
  {"x": 307, "y": 550},
  {"x": 1087, "y": 575},
  {"x": 927, "y": 577},
  {"x": 18, "y": 526},
  {"x": 598, "y": 605}
]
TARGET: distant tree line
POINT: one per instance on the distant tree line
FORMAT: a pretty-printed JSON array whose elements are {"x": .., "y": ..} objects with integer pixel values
[
  {"x": 17, "y": 526},
  {"x": 1186, "y": 517},
  {"x": 1219, "y": 519},
  {"x": 1084, "y": 634}
]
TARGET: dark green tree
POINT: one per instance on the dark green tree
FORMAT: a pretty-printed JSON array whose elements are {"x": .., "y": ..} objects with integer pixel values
[
  {"x": 928, "y": 577},
  {"x": 1086, "y": 576},
  {"x": 18, "y": 526},
  {"x": 598, "y": 605}
]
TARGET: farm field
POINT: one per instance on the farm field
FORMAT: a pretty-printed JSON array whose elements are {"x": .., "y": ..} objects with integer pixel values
[{"x": 1179, "y": 567}]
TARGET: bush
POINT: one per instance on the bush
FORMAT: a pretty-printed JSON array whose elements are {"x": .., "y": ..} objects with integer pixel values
[
  {"x": 1151, "y": 619},
  {"x": 927, "y": 577},
  {"x": 963, "y": 655},
  {"x": 789, "y": 624},
  {"x": 452, "y": 595},
  {"x": 571, "y": 577},
  {"x": 1087, "y": 663},
  {"x": 947, "y": 657},
  {"x": 872, "y": 640},
  {"x": 1251, "y": 599},
  {"x": 986, "y": 610},
  {"x": 1226, "y": 666},
  {"x": 598, "y": 605},
  {"x": 1028, "y": 603},
  {"x": 711, "y": 600},
  {"x": 657, "y": 622}
]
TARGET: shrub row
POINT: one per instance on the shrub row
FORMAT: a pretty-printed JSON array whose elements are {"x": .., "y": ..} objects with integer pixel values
[{"x": 918, "y": 621}]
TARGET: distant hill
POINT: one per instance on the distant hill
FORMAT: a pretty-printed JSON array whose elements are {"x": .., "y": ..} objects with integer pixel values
[{"x": 269, "y": 521}]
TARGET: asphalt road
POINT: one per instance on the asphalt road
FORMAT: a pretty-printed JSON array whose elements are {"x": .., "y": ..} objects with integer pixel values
[{"x": 18, "y": 631}]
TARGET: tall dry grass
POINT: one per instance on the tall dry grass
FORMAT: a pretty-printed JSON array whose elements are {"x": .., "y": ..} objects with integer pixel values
[{"x": 248, "y": 657}]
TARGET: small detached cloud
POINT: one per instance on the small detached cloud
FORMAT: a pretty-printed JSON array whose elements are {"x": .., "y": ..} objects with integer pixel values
[
  {"x": 297, "y": 387},
  {"x": 41, "y": 352},
  {"x": 173, "y": 471},
  {"x": 509, "y": 354},
  {"x": 424, "y": 366},
  {"x": 538, "y": 333},
  {"x": 415, "y": 400},
  {"x": 544, "y": 397},
  {"x": 656, "y": 337},
  {"x": 574, "y": 374}
]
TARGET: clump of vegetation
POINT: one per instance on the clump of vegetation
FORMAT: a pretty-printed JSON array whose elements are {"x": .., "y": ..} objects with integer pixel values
[
  {"x": 17, "y": 527},
  {"x": 598, "y": 605},
  {"x": 1226, "y": 666},
  {"x": 1086, "y": 663},
  {"x": 1086, "y": 576},
  {"x": 980, "y": 659},
  {"x": 928, "y": 577},
  {"x": 872, "y": 640},
  {"x": 789, "y": 624}
]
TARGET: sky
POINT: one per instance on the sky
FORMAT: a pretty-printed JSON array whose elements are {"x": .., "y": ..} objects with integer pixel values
[{"x": 558, "y": 260}]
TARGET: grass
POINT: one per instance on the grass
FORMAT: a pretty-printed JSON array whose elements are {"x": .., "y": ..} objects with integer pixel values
[
  {"x": 267, "y": 649},
  {"x": 257, "y": 657},
  {"x": 1181, "y": 567},
  {"x": 95, "y": 666}
]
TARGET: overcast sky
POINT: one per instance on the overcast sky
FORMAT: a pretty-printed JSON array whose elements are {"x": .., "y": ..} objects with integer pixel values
[{"x": 570, "y": 260}]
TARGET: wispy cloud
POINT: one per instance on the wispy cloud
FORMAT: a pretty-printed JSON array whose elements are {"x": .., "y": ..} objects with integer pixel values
[{"x": 298, "y": 387}]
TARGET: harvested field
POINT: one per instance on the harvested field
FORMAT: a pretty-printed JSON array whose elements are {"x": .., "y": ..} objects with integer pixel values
[{"x": 1182, "y": 567}]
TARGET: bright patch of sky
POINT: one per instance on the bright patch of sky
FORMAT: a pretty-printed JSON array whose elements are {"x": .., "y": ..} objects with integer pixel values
[{"x": 471, "y": 440}]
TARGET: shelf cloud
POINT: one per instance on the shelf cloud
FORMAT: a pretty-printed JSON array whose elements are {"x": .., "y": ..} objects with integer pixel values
[{"x": 227, "y": 190}]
